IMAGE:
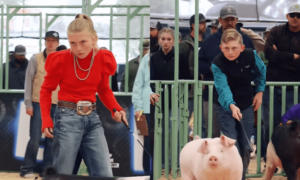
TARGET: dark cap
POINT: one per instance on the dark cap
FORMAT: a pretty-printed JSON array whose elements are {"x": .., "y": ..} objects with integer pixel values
[
  {"x": 201, "y": 19},
  {"x": 155, "y": 25},
  {"x": 214, "y": 23},
  {"x": 61, "y": 47},
  {"x": 20, "y": 50},
  {"x": 52, "y": 34},
  {"x": 228, "y": 11},
  {"x": 146, "y": 44},
  {"x": 10, "y": 53}
]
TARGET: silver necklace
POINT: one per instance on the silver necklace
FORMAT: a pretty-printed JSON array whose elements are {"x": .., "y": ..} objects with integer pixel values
[{"x": 89, "y": 69}]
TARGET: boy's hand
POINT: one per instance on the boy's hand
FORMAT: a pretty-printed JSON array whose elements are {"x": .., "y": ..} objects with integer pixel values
[
  {"x": 236, "y": 113},
  {"x": 257, "y": 101}
]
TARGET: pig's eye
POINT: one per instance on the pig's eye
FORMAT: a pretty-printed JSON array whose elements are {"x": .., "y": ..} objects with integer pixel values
[{"x": 221, "y": 150}]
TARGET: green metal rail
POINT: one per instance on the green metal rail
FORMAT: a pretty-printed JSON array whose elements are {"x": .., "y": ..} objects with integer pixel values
[{"x": 87, "y": 9}]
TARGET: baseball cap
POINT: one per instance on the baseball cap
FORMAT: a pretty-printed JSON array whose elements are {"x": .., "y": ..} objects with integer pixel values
[
  {"x": 201, "y": 19},
  {"x": 146, "y": 44},
  {"x": 20, "y": 50},
  {"x": 214, "y": 23},
  {"x": 52, "y": 34},
  {"x": 155, "y": 25},
  {"x": 294, "y": 8},
  {"x": 61, "y": 47},
  {"x": 228, "y": 11}
]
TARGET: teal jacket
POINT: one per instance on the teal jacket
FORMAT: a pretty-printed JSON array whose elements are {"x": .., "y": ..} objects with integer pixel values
[{"x": 141, "y": 87}]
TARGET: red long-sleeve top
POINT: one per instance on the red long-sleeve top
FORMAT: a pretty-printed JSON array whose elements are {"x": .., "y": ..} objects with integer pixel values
[{"x": 60, "y": 71}]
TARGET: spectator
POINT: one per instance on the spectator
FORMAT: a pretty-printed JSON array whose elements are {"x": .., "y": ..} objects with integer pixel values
[
  {"x": 210, "y": 49},
  {"x": 10, "y": 55},
  {"x": 155, "y": 27},
  {"x": 162, "y": 68},
  {"x": 61, "y": 47},
  {"x": 214, "y": 26},
  {"x": 140, "y": 99},
  {"x": 133, "y": 68},
  {"x": 282, "y": 49},
  {"x": 17, "y": 69},
  {"x": 114, "y": 78},
  {"x": 186, "y": 49},
  {"x": 234, "y": 102},
  {"x": 34, "y": 80},
  {"x": 262, "y": 53}
]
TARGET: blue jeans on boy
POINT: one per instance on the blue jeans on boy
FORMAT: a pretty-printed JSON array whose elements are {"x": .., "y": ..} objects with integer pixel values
[
  {"x": 73, "y": 133},
  {"x": 146, "y": 158},
  {"x": 240, "y": 131},
  {"x": 33, "y": 145}
]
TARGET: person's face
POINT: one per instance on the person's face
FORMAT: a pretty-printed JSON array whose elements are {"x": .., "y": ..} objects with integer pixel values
[
  {"x": 153, "y": 32},
  {"x": 294, "y": 19},
  {"x": 166, "y": 41},
  {"x": 19, "y": 58},
  {"x": 81, "y": 43},
  {"x": 232, "y": 49},
  {"x": 213, "y": 30},
  {"x": 228, "y": 23},
  {"x": 51, "y": 43},
  {"x": 202, "y": 27}
]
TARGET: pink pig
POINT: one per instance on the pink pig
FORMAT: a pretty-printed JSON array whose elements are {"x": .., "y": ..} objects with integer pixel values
[{"x": 211, "y": 159}]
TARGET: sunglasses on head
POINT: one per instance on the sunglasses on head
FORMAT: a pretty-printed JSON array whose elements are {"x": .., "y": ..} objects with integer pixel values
[{"x": 292, "y": 15}]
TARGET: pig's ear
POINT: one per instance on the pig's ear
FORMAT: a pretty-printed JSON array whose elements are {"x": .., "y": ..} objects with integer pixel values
[
  {"x": 226, "y": 141},
  {"x": 204, "y": 147},
  {"x": 196, "y": 137}
]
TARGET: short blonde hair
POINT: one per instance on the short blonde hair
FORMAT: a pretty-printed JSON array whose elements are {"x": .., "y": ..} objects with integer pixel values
[
  {"x": 231, "y": 35},
  {"x": 83, "y": 22}
]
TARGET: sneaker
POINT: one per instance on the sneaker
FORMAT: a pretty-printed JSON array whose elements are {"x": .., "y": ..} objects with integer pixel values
[{"x": 27, "y": 175}]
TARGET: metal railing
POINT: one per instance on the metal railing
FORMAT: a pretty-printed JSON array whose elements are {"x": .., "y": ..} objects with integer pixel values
[
  {"x": 86, "y": 8},
  {"x": 182, "y": 120}
]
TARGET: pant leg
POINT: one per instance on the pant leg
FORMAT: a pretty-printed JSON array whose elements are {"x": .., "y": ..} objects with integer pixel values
[
  {"x": 34, "y": 141},
  {"x": 151, "y": 134},
  {"x": 215, "y": 124},
  {"x": 146, "y": 157},
  {"x": 77, "y": 163},
  {"x": 68, "y": 133},
  {"x": 48, "y": 150},
  {"x": 94, "y": 148}
]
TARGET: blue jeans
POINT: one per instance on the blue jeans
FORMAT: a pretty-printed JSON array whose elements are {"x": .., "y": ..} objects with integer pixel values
[
  {"x": 33, "y": 145},
  {"x": 73, "y": 133},
  {"x": 233, "y": 129}
]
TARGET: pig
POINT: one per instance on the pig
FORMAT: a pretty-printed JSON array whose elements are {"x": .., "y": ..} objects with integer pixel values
[
  {"x": 211, "y": 159},
  {"x": 283, "y": 151}
]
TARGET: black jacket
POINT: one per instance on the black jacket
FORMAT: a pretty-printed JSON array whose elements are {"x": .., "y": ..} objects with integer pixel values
[
  {"x": 16, "y": 74},
  {"x": 282, "y": 66},
  {"x": 162, "y": 67}
]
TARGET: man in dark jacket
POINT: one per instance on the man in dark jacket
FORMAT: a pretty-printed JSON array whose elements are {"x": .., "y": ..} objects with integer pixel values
[
  {"x": 210, "y": 49},
  {"x": 282, "y": 49},
  {"x": 17, "y": 69},
  {"x": 133, "y": 68},
  {"x": 155, "y": 27},
  {"x": 186, "y": 49}
]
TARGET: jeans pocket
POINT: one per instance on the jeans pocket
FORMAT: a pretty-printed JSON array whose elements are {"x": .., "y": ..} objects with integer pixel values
[{"x": 67, "y": 112}]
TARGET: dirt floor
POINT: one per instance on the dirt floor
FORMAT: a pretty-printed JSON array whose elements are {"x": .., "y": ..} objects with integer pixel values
[{"x": 252, "y": 170}]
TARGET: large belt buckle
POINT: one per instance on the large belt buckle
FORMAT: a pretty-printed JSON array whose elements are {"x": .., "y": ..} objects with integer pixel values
[{"x": 84, "y": 107}]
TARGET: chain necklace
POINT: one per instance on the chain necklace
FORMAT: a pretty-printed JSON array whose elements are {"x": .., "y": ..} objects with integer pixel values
[{"x": 89, "y": 69}]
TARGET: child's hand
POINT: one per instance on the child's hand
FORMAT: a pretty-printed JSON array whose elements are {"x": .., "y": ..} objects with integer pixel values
[
  {"x": 236, "y": 113},
  {"x": 257, "y": 100}
]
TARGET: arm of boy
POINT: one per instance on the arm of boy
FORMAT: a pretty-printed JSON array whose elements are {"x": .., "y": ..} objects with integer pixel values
[
  {"x": 259, "y": 81},
  {"x": 224, "y": 92}
]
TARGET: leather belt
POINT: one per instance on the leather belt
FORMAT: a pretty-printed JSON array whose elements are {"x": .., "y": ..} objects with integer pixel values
[{"x": 82, "y": 107}]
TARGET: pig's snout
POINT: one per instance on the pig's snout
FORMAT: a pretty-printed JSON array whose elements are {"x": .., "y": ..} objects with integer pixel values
[{"x": 213, "y": 161}]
